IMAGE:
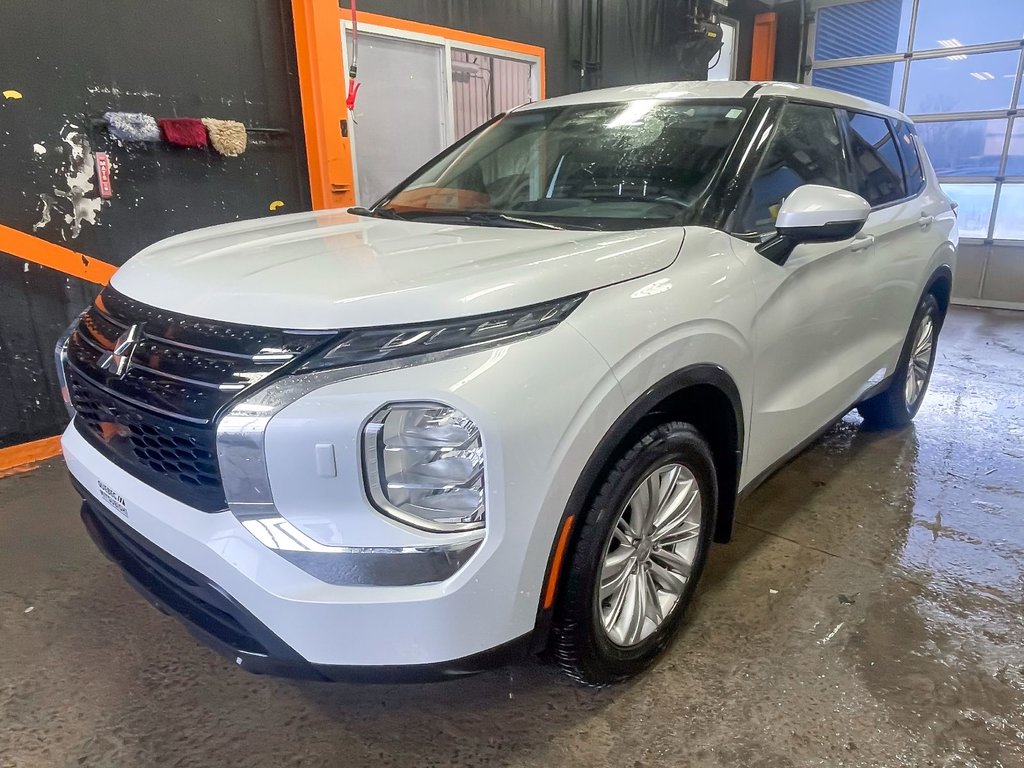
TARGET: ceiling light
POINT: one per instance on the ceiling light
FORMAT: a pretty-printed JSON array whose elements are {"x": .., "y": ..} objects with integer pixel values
[
  {"x": 951, "y": 42},
  {"x": 983, "y": 76}
]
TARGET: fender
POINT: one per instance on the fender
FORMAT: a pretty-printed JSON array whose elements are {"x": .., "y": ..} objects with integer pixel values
[{"x": 704, "y": 374}]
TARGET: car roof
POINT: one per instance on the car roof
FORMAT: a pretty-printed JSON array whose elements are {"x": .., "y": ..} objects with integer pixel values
[{"x": 717, "y": 89}]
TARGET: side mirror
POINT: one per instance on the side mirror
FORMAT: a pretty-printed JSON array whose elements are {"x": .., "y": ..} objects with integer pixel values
[{"x": 815, "y": 214}]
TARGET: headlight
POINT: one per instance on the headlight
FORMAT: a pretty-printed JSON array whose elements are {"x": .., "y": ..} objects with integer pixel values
[
  {"x": 373, "y": 345},
  {"x": 424, "y": 466}
]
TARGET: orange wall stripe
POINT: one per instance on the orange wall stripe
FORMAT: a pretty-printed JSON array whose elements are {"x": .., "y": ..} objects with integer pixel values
[
  {"x": 39, "y": 251},
  {"x": 556, "y": 563},
  {"x": 26, "y": 453},
  {"x": 762, "y": 54}
]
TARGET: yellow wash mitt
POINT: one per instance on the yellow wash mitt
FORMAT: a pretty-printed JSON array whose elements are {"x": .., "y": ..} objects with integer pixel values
[{"x": 226, "y": 136}]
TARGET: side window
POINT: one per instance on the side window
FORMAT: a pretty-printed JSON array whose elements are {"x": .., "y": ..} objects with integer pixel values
[
  {"x": 906, "y": 138},
  {"x": 876, "y": 160},
  {"x": 806, "y": 148}
]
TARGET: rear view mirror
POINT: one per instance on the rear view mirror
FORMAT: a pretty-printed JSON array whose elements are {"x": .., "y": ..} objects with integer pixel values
[{"x": 815, "y": 214}]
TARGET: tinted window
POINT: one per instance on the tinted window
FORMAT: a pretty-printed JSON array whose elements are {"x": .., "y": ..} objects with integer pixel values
[
  {"x": 876, "y": 160},
  {"x": 911, "y": 158},
  {"x": 806, "y": 148}
]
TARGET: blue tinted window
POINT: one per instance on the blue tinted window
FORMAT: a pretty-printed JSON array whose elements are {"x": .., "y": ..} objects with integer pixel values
[
  {"x": 964, "y": 147},
  {"x": 952, "y": 23},
  {"x": 975, "y": 207},
  {"x": 961, "y": 83}
]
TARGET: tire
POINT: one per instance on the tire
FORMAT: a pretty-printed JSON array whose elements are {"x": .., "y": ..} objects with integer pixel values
[
  {"x": 897, "y": 405},
  {"x": 588, "y": 645}
]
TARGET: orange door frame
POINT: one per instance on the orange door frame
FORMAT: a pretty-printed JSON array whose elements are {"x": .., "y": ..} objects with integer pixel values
[
  {"x": 322, "y": 89},
  {"x": 762, "y": 55}
]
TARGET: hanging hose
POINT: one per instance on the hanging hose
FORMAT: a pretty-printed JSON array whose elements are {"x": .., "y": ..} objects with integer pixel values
[{"x": 353, "y": 62}]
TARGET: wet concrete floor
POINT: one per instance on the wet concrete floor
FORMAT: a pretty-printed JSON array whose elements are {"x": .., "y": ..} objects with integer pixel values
[{"x": 870, "y": 612}]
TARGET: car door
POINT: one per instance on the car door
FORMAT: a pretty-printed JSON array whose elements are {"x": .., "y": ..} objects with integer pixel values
[
  {"x": 888, "y": 174},
  {"x": 814, "y": 311}
]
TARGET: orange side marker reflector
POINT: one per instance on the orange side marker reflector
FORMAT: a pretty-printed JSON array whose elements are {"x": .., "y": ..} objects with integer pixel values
[{"x": 556, "y": 563}]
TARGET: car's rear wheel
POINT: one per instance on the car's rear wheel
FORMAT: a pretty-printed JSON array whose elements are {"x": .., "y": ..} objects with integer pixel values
[
  {"x": 638, "y": 556},
  {"x": 900, "y": 402}
]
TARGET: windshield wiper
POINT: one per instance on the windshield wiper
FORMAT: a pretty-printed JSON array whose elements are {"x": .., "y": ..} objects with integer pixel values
[
  {"x": 491, "y": 218},
  {"x": 521, "y": 221},
  {"x": 379, "y": 213}
]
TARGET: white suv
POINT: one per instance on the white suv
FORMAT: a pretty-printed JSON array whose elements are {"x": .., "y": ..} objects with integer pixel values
[{"x": 510, "y": 406}]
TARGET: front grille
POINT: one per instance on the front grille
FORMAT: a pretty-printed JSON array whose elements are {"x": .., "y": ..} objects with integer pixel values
[{"x": 158, "y": 420}]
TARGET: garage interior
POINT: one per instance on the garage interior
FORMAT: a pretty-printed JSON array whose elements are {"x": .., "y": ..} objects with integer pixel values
[{"x": 869, "y": 608}]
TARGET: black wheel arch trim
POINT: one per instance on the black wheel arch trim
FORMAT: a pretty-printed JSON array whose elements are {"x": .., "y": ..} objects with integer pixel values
[
  {"x": 942, "y": 272},
  {"x": 701, "y": 374}
]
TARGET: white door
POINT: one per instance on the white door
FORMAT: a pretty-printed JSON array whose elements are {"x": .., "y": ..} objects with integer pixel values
[
  {"x": 401, "y": 116},
  {"x": 813, "y": 349},
  {"x": 901, "y": 222}
]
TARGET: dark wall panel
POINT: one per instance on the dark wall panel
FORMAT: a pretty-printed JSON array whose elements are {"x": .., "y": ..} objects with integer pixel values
[
  {"x": 36, "y": 304},
  {"x": 190, "y": 58},
  {"x": 72, "y": 61},
  {"x": 789, "y": 39}
]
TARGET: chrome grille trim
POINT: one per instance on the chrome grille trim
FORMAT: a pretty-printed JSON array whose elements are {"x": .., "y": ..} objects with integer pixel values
[
  {"x": 132, "y": 401},
  {"x": 261, "y": 358}
]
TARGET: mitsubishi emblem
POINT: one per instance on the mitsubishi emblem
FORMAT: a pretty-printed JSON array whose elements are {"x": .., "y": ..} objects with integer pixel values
[{"x": 120, "y": 359}]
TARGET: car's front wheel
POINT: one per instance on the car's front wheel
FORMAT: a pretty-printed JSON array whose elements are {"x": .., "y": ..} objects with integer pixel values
[
  {"x": 900, "y": 402},
  {"x": 638, "y": 556}
]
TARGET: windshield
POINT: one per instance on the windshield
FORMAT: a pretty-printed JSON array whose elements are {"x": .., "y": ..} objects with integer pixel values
[{"x": 607, "y": 166}]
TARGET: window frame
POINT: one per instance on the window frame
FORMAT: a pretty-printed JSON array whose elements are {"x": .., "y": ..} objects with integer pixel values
[
  {"x": 911, "y": 130},
  {"x": 769, "y": 141},
  {"x": 848, "y": 128}
]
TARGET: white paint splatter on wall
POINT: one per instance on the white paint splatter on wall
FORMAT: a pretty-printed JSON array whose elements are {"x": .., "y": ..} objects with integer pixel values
[{"x": 76, "y": 200}]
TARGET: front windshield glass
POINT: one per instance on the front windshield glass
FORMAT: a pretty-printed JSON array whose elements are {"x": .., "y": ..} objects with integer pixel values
[{"x": 608, "y": 166}]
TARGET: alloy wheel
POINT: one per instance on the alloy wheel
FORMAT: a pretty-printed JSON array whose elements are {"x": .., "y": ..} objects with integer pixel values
[
  {"x": 919, "y": 366},
  {"x": 650, "y": 555}
]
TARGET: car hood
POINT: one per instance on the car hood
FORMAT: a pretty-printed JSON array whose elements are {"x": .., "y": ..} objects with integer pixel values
[{"x": 331, "y": 269}]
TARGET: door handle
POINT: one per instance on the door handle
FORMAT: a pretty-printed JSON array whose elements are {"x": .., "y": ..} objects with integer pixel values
[
  {"x": 862, "y": 243},
  {"x": 925, "y": 221}
]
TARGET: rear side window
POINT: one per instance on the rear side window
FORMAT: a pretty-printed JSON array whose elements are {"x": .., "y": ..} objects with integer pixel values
[
  {"x": 907, "y": 141},
  {"x": 806, "y": 148},
  {"x": 876, "y": 160}
]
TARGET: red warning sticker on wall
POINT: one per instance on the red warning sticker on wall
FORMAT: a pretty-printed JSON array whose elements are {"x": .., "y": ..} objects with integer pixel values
[{"x": 103, "y": 174}]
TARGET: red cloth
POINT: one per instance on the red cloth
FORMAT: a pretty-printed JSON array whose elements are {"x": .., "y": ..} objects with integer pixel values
[{"x": 184, "y": 131}]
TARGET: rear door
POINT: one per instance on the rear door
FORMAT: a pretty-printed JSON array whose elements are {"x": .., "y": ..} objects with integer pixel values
[
  {"x": 901, "y": 223},
  {"x": 811, "y": 358}
]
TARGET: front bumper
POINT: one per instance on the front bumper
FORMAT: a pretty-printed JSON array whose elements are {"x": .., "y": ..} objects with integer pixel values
[
  {"x": 536, "y": 450},
  {"x": 217, "y": 620},
  {"x": 280, "y": 605}
]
